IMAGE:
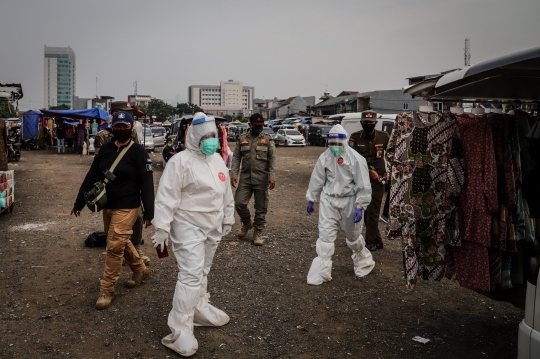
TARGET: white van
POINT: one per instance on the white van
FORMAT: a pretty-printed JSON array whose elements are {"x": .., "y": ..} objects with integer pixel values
[{"x": 351, "y": 122}]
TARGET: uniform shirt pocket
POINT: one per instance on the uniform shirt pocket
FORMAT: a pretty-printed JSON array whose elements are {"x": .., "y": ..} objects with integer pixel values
[{"x": 262, "y": 153}]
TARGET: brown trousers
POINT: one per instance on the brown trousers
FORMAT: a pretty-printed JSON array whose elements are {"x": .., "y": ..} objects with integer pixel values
[
  {"x": 373, "y": 211},
  {"x": 118, "y": 224}
]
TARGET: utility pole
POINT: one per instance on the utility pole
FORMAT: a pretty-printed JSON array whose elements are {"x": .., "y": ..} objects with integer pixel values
[
  {"x": 96, "y": 86},
  {"x": 135, "y": 87},
  {"x": 467, "y": 54}
]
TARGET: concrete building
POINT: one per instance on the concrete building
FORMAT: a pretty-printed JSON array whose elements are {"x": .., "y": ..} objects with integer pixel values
[
  {"x": 138, "y": 100},
  {"x": 346, "y": 101},
  {"x": 387, "y": 102},
  {"x": 59, "y": 76},
  {"x": 227, "y": 98},
  {"x": 294, "y": 106}
]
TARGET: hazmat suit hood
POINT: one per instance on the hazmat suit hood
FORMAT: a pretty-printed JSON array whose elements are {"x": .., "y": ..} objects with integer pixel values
[
  {"x": 201, "y": 125},
  {"x": 339, "y": 134}
]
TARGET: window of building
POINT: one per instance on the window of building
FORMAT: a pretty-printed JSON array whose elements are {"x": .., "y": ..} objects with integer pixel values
[
  {"x": 405, "y": 105},
  {"x": 437, "y": 106}
]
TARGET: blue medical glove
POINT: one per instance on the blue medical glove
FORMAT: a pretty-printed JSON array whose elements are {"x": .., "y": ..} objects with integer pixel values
[
  {"x": 357, "y": 215},
  {"x": 310, "y": 208}
]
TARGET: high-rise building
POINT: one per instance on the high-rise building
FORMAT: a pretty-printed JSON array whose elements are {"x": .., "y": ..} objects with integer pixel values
[
  {"x": 230, "y": 97},
  {"x": 59, "y": 76}
]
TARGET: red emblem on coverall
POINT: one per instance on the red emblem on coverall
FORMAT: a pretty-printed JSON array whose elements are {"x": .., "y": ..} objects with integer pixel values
[
  {"x": 340, "y": 161},
  {"x": 222, "y": 177}
]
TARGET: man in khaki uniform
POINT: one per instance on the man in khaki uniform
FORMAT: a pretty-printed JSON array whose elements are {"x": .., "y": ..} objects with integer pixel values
[
  {"x": 102, "y": 138},
  {"x": 255, "y": 152},
  {"x": 371, "y": 144}
]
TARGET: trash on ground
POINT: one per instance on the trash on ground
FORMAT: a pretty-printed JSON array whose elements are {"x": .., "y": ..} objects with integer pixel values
[{"x": 421, "y": 340}]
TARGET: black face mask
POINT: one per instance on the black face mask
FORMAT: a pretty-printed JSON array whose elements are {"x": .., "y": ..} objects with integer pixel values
[
  {"x": 368, "y": 127},
  {"x": 256, "y": 131},
  {"x": 122, "y": 135}
]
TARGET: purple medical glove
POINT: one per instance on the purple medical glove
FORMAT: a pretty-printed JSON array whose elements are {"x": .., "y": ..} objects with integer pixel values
[
  {"x": 357, "y": 215},
  {"x": 310, "y": 208}
]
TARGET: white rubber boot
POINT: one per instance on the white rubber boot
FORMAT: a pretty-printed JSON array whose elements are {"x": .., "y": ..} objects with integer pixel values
[
  {"x": 321, "y": 267},
  {"x": 182, "y": 340}
]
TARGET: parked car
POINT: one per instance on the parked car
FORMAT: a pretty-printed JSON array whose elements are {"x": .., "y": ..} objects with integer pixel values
[
  {"x": 148, "y": 139},
  {"x": 158, "y": 135},
  {"x": 317, "y": 134},
  {"x": 234, "y": 131},
  {"x": 351, "y": 122},
  {"x": 276, "y": 128},
  {"x": 289, "y": 138},
  {"x": 270, "y": 132}
]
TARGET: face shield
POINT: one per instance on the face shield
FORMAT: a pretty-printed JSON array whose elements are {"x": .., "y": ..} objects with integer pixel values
[
  {"x": 337, "y": 140},
  {"x": 202, "y": 134}
]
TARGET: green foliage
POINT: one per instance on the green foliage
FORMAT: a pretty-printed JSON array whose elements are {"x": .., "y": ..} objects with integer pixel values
[
  {"x": 240, "y": 117},
  {"x": 6, "y": 109},
  {"x": 160, "y": 109},
  {"x": 60, "y": 107},
  {"x": 228, "y": 117},
  {"x": 187, "y": 108}
]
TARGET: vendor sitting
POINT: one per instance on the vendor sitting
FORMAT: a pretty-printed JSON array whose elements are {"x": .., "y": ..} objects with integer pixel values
[{"x": 168, "y": 152}]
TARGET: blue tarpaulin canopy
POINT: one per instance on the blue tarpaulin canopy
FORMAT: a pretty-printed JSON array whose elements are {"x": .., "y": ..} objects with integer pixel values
[
  {"x": 96, "y": 113},
  {"x": 30, "y": 124}
]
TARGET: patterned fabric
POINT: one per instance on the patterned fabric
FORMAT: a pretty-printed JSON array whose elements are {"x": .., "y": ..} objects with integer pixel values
[
  {"x": 478, "y": 201},
  {"x": 426, "y": 173}
]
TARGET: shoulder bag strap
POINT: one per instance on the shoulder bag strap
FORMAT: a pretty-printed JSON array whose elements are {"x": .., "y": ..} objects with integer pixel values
[{"x": 115, "y": 163}]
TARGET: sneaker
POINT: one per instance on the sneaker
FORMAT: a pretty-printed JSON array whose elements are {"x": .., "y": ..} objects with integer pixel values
[
  {"x": 138, "y": 278},
  {"x": 104, "y": 300},
  {"x": 383, "y": 218}
]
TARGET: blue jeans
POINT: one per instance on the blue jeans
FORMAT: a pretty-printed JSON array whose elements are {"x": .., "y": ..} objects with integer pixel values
[{"x": 60, "y": 142}]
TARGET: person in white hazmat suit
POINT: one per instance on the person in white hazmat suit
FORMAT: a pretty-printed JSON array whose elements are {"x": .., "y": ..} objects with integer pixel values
[
  {"x": 194, "y": 205},
  {"x": 342, "y": 175}
]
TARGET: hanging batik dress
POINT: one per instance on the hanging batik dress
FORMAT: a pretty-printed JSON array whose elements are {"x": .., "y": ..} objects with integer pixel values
[
  {"x": 478, "y": 202},
  {"x": 426, "y": 173}
]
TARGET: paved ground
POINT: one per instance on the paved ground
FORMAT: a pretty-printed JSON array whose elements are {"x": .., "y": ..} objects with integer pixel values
[{"x": 49, "y": 283}]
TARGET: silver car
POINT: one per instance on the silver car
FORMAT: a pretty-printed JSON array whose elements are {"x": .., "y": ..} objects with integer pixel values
[
  {"x": 158, "y": 135},
  {"x": 289, "y": 138},
  {"x": 148, "y": 140}
]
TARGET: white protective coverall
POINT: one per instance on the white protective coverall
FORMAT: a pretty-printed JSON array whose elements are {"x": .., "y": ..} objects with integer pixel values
[
  {"x": 344, "y": 182},
  {"x": 139, "y": 130},
  {"x": 194, "y": 200}
]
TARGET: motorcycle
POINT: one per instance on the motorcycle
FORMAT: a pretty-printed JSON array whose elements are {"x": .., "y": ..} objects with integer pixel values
[
  {"x": 14, "y": 152},
  {"x": 30, "y": 144}
]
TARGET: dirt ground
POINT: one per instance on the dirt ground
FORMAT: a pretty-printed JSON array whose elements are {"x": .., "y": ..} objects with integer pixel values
[{"x": 49, "y": 285}]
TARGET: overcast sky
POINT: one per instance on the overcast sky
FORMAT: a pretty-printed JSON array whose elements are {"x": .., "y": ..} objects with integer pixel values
[{"x": 281, "y": 47}]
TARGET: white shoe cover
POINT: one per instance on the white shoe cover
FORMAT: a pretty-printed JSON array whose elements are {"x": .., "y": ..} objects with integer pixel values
[
  {"x": 362, "y": 258},
  {"x": 206, "y": 315},
  {"x": 321, "y": 267},
  {"x": 182, "y": 340},
  {"x": 320, "y": 271},
  {"x": 180, "y": 321}
]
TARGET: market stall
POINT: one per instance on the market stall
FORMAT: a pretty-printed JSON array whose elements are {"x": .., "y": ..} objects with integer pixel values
[{"x": 480, "y": 224}]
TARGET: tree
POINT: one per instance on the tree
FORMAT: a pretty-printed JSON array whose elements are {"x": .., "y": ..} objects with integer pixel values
[
  {"x": 187, "y": 108},
  {"x": 6, "y": 109},
  {"x": 228, "y": 117},
  {"x": 60, "y": 107},
  {"x": 160, "y": 109}
]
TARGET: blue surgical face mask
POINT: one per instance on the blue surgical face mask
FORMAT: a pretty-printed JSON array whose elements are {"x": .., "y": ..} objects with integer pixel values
[
  {"x": 336, "y": 150},
  {"x": 209, "y": 146}
]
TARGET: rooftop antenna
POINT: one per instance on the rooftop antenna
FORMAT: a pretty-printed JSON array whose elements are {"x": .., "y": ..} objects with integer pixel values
[{"x": 467, "y": 54}]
